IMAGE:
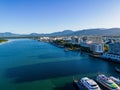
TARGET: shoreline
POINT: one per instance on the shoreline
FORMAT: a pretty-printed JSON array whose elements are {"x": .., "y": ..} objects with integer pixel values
[
  {"x": 84, "y": 51},
  {"x": 76, "y": 48},
  {"x": 4, "y": 42}
]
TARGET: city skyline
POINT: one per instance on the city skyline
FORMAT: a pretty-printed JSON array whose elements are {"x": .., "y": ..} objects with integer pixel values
[{"x": 46, "y": 16}]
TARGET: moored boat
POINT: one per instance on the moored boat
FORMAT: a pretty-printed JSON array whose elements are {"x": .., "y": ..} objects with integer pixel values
[
  {"x": 107, "y": 82},
  {"x": 89, "y": 84},
  {"x": 116, "y": 80}
]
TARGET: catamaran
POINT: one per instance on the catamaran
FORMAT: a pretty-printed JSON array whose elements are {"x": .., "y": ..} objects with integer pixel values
[
  {"x": 116, "y": 80},
  {"x": 107, "y": 82}
]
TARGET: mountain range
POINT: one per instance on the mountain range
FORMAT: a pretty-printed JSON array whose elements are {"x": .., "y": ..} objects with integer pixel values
[{"x": 111, "y": 31}]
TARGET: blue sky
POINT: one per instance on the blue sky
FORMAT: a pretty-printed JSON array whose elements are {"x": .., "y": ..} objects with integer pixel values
[{"x": 46, "y": 16}]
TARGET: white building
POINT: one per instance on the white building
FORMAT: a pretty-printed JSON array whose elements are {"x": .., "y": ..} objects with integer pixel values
[
  {"x": 43, "y": 38},
  {"x": 96, "y": 48},
  {"x": 59, "y": 38},
  {"x": 95, "y": 43}
]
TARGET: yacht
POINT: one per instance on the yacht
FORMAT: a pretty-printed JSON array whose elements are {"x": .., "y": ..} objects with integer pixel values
[
  {"x": 107, "y": 82},
  {"x": 89, "y": 84},
  {"x": 116, "y": 80}
]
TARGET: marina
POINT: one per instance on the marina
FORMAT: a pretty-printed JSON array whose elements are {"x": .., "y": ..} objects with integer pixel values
[
  {"x": 85, "y": 83},
  {"x": 107, "y": 82}
]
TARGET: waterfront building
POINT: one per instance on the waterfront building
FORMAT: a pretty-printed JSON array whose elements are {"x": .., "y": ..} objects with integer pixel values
[
  {"x": 91, "y": 39},
  {"x": 94, "y": 39},
  {"x": 113, "y": 52},
  {"x": 95, "y": 43},
  {"x": 68, "y": 39},
  {"x": 75, "y": 40},
  {"x": 43, "y": 38},
  {"x": 114, "y": 48},
  {"x": 59, "y": 38},
  {"x": 96, "y": 47},
  {"x": 111, "y": 39},
  {"x": 83, "y": 41}
]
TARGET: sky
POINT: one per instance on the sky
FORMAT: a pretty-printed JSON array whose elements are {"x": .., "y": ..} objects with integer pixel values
[{"x": 47, "y": 16}]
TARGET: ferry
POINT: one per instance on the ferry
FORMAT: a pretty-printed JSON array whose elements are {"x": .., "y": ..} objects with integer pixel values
[
  {"x": 107, "y": 82},
  {"x": 89, "y": 84},
  {"x": 116, "y": 80}
]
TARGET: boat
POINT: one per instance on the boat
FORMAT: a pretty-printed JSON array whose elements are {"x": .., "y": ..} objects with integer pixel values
[
  {"x": 116, "y": 80},
  {"x": 107, "y": 82},
  {"x": 117, "y": 69},
  {"x": 89, "y": 84}
]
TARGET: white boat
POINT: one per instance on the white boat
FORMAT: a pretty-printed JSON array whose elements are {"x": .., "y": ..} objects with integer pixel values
[
  {"x": 116, "y": 80},
  {"x": 89, "y": 84},
  {"x": 107, "y": 82}
]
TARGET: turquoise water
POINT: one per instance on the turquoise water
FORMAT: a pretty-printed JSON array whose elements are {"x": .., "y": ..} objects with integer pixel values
[{"x": 31, "y": 65}]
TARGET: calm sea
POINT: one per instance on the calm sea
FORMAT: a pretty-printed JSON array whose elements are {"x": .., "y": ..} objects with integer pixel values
[{"x": 31, "y": 65}]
